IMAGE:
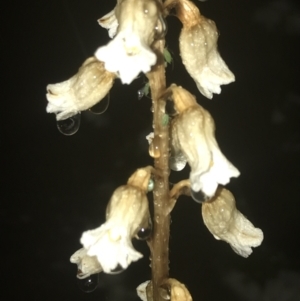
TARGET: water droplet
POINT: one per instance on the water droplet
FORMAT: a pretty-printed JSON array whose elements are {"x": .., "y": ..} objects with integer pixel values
[
  {"x": 89, "y": 284},
  {"x": 145, "y": 232},
  {"x": 101, "y": 106},
  {"x": 117, "y": 270},
  {"x": 69, "y": 126},
  {"x": 154, "y": 151},
  {"x": 198, "y": 196},
  {"x": 140, "y": 93},
  {"x": 177, "y": 162},
  {"x": 150, "y": 185}
]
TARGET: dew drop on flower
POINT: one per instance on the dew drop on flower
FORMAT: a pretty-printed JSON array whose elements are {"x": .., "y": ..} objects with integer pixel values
[
  {"x": 89, "y": 284},
  {"x": 69, "y": 126},
  {"x": 165, "y": 292},
  {"x": 177, "y": 162},
  {"x": 117, "y": 270},
  {"x": 198, "y": 196},
  {"x": 154, "y": 151},
  {"x": 150, "y": 185},
  {"x": 101, "y": 106},
  {"x": 140, "y": 93},
  {"x": 144, "y": 233}
]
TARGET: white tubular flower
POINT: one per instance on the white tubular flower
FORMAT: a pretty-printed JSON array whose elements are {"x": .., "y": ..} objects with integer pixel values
[
  {"x": 198, "y": 50},
  {"x": 225, "y": 222},
  {"x": 82, "y": 91},
  {"x": 129, "y": 53},
  {"x": 127, "y": 213},
  {"x": 192, "y": 134},
  {"x": 87, "y": 265}
]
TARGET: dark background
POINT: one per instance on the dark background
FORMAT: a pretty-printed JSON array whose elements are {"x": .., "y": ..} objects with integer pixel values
[{"x": 54, "y": 187}]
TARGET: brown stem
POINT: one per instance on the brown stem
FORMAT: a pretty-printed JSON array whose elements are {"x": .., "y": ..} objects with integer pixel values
[{"x": 159, "y": 244}]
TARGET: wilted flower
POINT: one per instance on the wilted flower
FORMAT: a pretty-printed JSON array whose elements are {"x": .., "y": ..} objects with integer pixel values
[
  {"x": 193, "y": 137},
  {"x": 129, "y": 53},
  {"x": 127, "y": 213},
  {"x": 82, "y": 91},
  {"x": 225, "y": 222},
  {"x": 198, "y": 50},
  {"x": 87, "y": 265}
]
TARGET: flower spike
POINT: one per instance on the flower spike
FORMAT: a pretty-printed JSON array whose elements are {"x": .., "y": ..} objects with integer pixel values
[{"x": 198, "y": 50}]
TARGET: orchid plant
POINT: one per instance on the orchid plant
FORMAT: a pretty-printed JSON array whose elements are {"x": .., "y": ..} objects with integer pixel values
[{"x": 137, "y": 30}]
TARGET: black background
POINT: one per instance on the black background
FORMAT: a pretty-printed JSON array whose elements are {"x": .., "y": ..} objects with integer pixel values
[{"x": 54, "y": 186}]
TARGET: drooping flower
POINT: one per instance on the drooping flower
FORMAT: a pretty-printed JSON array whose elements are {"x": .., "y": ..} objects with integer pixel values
[
  {"x": 193, "y": 137},
  {"x": 82, "y": 91},
  {"x": 127, "y": 214},
  {"x": 227, "y": 223},
  {"x": 198, "y": 50},
  {"x": 130, "y": 53},
  {"x": 87, "y": 265}
]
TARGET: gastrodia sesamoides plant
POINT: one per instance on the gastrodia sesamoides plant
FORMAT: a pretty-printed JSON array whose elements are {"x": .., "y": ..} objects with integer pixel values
[{"x": 183, "y": 133}]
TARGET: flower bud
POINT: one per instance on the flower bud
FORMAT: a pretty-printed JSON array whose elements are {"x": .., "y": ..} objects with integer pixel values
[
  {"x": 82, "y": 91},
  {"x": 193, "y": 135},
  {"x": 129, "y": 53},
  {"x": 225, "y": 222},
  {"x": 198, "y": 50},
  {"x": 126, "y": 213}
]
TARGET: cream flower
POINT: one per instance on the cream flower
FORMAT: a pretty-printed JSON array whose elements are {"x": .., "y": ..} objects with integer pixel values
[
  {"x": 225, "y": 222},
  {"x": 129, "y": 53},
  {"x": 87, "y": 265},
  {"x": 198, "y": 50},
  {"x": 126, "y": 214},
  {"x": 82, "y": 91},
  {"x": 192, "y": 134}
]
